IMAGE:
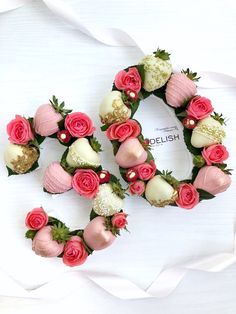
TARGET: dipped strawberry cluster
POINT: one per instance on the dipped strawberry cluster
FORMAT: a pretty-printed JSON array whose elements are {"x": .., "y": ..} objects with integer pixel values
[
  {"x": 52, "y": 238},
  {"x": 202, "y": 127},
  {"x": 79, "y": 169}
]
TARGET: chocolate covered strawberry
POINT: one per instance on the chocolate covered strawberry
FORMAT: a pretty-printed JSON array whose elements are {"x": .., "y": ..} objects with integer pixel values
[
  {"x": 157, "y": 70},
  {"x": 48, "y": 116},
  {"x": 181, "y": 87}
]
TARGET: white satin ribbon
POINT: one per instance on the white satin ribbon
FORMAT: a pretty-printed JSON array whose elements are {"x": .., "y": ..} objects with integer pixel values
[{"x": 165, "y": 282}]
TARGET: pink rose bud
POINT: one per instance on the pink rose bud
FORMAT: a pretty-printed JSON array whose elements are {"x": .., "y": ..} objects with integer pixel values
[
  {"x": 215, "y": 154},
  {"x": 146, "y": 171},
  {"x": 79, "y": 124},
  {"x": 200, "y": 107},
  {"x": 19, "y": 131},
  {"x": 44, "y": 245},
  {"x": 86, "y": 183},
  {"x": 188, "y": 196},
  {"x": 75, "y": 253},
  {"x": 119, "y": 220},
  {"x": 137, "y": 187},
  {"x": 36, "y": 219},
  {"x": 122, "y": 131},
  {"x": 128, "y": 80}
]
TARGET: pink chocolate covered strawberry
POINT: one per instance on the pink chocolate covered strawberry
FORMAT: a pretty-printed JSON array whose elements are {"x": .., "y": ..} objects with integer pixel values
[
  {"x": 48, "y": 116},
  {"x": 180, "y": 88},
  {"x": 56, "y": 180}
]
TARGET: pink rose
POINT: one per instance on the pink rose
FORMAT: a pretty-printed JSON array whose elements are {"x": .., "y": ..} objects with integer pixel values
[
  {"x": 200, "y": 107},
  {"x": 146, "y": 171},
  {"x": 215, "y": 154},
  {"x": 19, "y": 131},
  {"x": 86, "y": 183},
  {"x": 79, "y": 124},
  {"x": 44, "y": 245},
  {"x": 128, "y": 80},
  {"x": 121, "y": 131},
  {"x": 36, "y": 219},
  {"x": 119, "y": 220},
  {"x": 137, "y": 187},
  {"x": 188, "y": 196},
  {"x": 75, "y": 253}
]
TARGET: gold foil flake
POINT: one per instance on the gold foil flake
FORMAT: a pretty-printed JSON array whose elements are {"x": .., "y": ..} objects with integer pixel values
[
  {"x": 24, "y": 162},
  {"x": 120, "y": 113},
  {"x": 164, "y": 202},
  {"x": 214, "y": 132}
]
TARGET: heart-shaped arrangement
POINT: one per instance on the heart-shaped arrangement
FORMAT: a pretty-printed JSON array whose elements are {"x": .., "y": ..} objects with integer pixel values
[
  {"x": 202, "y": 127},
  {"x": 79, "y": 169}
]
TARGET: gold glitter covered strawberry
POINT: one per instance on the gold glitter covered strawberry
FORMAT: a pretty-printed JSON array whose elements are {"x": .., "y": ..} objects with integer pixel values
[
  {"x": 157, "y": 70},
  {"x": 20, "y": 158},
  {"x": 113, "y": 109}
]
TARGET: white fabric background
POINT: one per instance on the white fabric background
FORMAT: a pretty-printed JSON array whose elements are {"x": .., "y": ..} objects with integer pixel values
[{"x": 41, "y": 56}]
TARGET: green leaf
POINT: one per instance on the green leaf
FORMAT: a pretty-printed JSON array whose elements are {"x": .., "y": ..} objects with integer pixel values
[
  {"x": 61, "y": 124},
  {"x": 117, "y": 187},
  {"x": 141, "y": 71},
  {"x": 116, "y": 145},
  {"x": 11, "y": 172},
  {"x": 160, "y": 93},
  {"x": 204, "y": 195},
  {"x": 96, "y": 146},
  {"x": 30, "y": 234},
  {"x": 134, "y": 107},
  {"x": 93, "y": 215},
  {"x": 104, "y": 127},
  {"x": 187, "y": 138},
  {"x": 39, "y": 138},
  {"x": 59, "y": 107},
  {"x": 195, "y": 171},
  {"x": 53, "y": 221},
  {"x": 60, "y": 233},
  {"x": 191, "y": 75},
  {"x": 162, "y": 54}
]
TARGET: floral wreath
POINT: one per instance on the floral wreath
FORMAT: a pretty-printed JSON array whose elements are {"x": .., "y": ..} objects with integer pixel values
[
  {"x": 202, "y": 128},
  {"x": 80, "y": 168}
]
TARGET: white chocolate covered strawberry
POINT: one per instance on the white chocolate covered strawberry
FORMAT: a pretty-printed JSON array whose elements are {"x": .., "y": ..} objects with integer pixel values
[
  {"x": 81, "y": 154},
  {"x": 107, "y": 202},
  {"x": 157, "y": 70},
  {"x": 207, "y": 132},
  {"x": 159, "y": 192}
]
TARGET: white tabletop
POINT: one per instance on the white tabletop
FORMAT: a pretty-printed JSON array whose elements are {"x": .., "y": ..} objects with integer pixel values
[{"x": 39, "y": 56}]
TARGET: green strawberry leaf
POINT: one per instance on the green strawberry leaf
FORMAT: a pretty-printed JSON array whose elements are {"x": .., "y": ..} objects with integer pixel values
[
  {"x": 187, "y": 138},
  {"x": 204, "y": 195}
]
